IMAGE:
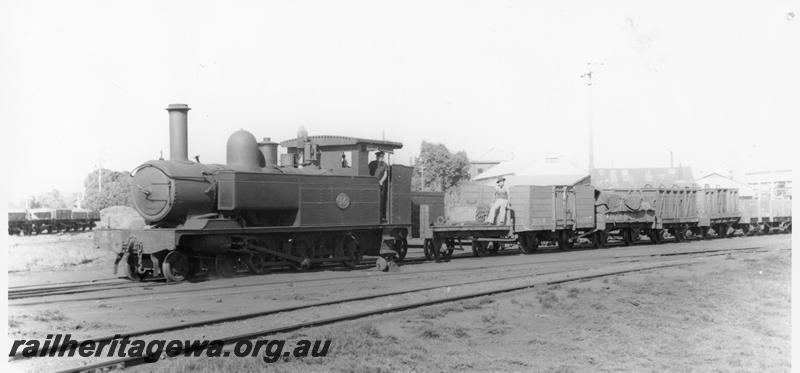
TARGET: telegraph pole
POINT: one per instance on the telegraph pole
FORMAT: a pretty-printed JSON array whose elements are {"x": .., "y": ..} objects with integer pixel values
[
  {"x": 588, "y": 75},
  {"x": 100, "y": 174}
]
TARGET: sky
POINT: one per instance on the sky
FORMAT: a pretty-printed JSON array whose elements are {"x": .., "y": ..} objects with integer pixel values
[{"x": 84, "y": 83}]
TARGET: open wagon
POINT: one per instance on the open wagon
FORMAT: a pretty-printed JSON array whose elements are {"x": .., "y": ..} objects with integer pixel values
[{"x": 442, "y": 240}]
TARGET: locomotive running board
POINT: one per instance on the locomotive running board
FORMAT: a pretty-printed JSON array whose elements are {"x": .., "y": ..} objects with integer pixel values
[{"x": 287, "y": 229}]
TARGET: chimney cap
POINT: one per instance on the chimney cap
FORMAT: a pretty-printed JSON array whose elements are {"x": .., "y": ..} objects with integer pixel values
[
  {"x": 267, "y": 141},
  {"x": 178, "y": 107}
]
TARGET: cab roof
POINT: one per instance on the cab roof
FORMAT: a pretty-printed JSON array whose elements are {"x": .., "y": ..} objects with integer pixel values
[{"x": 344, "y": 141}]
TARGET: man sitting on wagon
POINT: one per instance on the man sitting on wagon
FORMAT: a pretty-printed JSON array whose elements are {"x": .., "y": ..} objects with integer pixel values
[{"x": 501, "y": 203}]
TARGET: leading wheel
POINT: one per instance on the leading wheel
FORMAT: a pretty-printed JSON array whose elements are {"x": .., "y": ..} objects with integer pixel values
[
  {"x": 129, "y": 268},
  {"x": 175, "y": 266}
]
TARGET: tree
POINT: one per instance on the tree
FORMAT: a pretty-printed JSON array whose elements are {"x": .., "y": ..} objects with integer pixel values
[
  {"x": 51, "y": 200},
  {"x": 116, "y": 190},
  {"x": 443, "y": 169}
]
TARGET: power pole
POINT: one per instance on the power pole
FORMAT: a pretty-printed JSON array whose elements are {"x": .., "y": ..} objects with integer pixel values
[
  {"x": 588, "y": 75},
  {"x": 100, "y": 174}
]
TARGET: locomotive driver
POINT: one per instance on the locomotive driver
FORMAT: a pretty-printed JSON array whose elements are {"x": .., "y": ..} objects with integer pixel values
[
  {"x": 380, "y": 170},
  {"x": 501, "y": 203}
]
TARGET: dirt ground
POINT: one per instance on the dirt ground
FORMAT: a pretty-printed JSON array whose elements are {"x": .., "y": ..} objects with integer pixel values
[
  {"x": 53, "y": 252},
  {"x": 729, "y": 314}
]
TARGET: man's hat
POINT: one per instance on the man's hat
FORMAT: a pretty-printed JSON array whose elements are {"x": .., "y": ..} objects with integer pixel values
[
  {"x": 379, "y": 153},
  {"x": 501, "y": 179}
]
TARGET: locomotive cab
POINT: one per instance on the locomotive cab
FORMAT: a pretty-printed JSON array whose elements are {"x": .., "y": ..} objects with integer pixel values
[
  {"x": 350, "y": 156},
  {"x": 342, "y": 155}
]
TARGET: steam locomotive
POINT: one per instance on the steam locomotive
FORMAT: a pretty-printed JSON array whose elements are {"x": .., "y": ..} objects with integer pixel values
[{"x": 257, "y": 211}]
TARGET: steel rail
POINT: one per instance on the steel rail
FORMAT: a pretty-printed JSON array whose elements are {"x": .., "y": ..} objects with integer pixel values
[
  {"x": 133, "y": 361},
  {"x": 418, "y": 260},
  {"x": 130, "y": 361}
]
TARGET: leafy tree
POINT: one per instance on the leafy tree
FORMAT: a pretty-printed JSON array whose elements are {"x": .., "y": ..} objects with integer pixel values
[
  {"x": 115, "y": 191},
  {"x": 52, "y": 200},
  {"x": 443, "y": 170}
]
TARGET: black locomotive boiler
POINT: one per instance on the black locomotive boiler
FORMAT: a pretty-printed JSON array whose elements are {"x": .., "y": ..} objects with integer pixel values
[{"x": 317, "y": 203}]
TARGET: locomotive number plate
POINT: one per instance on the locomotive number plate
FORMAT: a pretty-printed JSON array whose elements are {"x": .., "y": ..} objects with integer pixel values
[{"x": 343, "y": 201}]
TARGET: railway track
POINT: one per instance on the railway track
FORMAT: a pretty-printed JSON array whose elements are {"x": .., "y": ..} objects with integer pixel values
[
  {"x": 131, "y": 361},
  {"x": 123, "y": 284},
  {"x": 79, "y": 287}
]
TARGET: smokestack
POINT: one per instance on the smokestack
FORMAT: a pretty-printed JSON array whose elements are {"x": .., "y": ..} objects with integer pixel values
[
  {"x": 178, "y": 132},
  {"x": 269, "y": 152}
]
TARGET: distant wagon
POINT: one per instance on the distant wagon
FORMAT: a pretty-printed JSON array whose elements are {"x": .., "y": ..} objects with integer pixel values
[{"x": 50, "y": 221}]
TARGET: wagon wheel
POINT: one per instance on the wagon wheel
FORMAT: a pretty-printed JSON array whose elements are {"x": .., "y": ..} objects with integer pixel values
[
  {"x": 746, "y": 229},
  {"x": 175, "y": 266},
  {"x": 427, "y": 248},
  {"x": 655, "y": 236},
  {"x": 563, "y": 240},
  {"x": 722, "y": 230},
  {"x": 436, "y": 248},
  {"x": 599, "y": 239},
  {"x": 450, "y": 244},
  {"x": 704, "y": 233},
  {"x": 225, "y": 265},
  {"x": 479, "y": 248},
  {"x": 627, "y": 236},
  {"x": 401, "y": 246},
  {"x": 494, "y": 247},
  {"x": 678, "y": 233},
  {"x": 528, "y": 242}
]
